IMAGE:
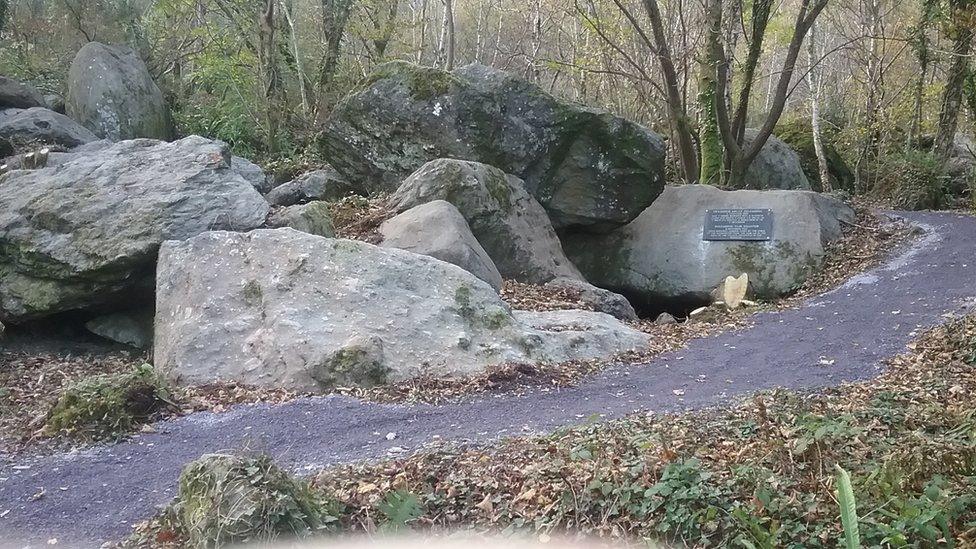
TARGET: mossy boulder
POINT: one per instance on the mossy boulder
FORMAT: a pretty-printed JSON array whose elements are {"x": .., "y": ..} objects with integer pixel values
[
  {"x": 111, "y": 92},
  {"x": 588, "y": 168},
  {"x": 439, "y": 230},
  {"x": 313, "y": 218},
  {"x": 281, "y": 308},
  {"x": 84, "y": 234},
  {"x": 507, "y": 221},
  {"x": 230, "y": 499},
  {"x": 27, "y": 129},
  {"x": 642, "y": 259},
  {"x": 108, "y": 405},
  {"x": 798, "y": 134},
  {"x": 17, "y": 95},
  {"x": 912, "y": 180},
  {"x": 777, "y": 166}
]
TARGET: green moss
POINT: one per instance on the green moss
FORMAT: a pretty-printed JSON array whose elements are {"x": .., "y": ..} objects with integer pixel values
[
  {"x": 798, "y": 134},
  {"x": 226, "y": 499},
  {"x": 911, "y": 180},
  {"x": 497, "y": 185},
  {"x": 356, "y": 365},
  {"x": 462, "y": 298},
  {"x": 423, "y": 83},
  {"x": 109, "y": 405},
  {"x": 253, "y": 295},
  {"x": 496, "y": 319}
]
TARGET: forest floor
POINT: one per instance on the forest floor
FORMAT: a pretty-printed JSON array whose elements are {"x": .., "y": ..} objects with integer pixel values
[
  {"x": 32, "y": 379},
  {"x": 844, "y": 335}
]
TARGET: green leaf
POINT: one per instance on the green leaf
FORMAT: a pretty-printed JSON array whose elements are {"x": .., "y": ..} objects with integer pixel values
[{"x": 848, "y": 509}]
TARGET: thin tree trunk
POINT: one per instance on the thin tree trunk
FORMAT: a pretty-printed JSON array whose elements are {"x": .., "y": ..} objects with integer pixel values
[
  {"x": 451, "y": 40},
  {"x": 269, "y": 72},
  {"x": 709, "y": 140},
  {"x": 299, "y": 69},
  {"x": 423, "y": 30},
  {"x": 952, "y": 95},
  {"x": 685, "y": 142},
  {"x": 814, "y": 83}
]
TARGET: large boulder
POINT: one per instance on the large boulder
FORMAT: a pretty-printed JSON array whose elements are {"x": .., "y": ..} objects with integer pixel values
[
  {"x": 325, "y": 184},
  {"x": 439, "y": 230},
  {"x": 776, "y": 167},
  {"x": 14, "y": 94},
  {"x": 111, "y": 93},
  {"x": 26, "y": 128},
  {"x": 86, "y": 233},
  {"x": 588, "y": 168},
  {"x": 798, "y": 134},
  {"x": 661, "y": 257},
  {"x": 281, "y": 308},
  {"x": 507, "y": 221}
]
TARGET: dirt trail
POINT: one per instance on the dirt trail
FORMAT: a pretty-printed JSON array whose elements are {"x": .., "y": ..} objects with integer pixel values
[{"x": 96, "y": 495}]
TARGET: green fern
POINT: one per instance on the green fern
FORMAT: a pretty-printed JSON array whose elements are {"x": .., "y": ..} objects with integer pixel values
[{"x": 848, "y": 509}]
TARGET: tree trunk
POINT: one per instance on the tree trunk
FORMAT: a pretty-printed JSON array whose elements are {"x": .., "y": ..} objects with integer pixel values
[
  {"x": 299, "y": 69},
  {"x": 682, "y": 129},
  {"x": 269, "y": 72},
  {"x": 815, "y": 85},
  {"x": 742, "y": 156},
  {"x": 451, "y": 40},
  {"x": 952, "y": 95},
  {"x": 335, "y": 16},
  {"x": 709, "y": 140}
]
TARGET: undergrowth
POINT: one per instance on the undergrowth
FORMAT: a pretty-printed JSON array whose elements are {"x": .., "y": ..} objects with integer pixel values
[
  {"x": 108, "y": 406},
  {"x": 762, "y": 473}
]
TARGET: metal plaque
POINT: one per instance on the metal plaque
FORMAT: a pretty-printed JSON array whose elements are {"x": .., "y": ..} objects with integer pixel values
[{"x": 738, "y": 224}]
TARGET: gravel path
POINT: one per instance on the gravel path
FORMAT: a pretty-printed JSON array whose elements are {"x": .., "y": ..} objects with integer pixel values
[{"x": 97, "y": 494}]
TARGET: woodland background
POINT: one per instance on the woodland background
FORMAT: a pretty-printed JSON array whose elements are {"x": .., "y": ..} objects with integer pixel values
[{"x": 887, "y": 83}]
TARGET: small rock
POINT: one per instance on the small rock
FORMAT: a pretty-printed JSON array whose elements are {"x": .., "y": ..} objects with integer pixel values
[
  {"x": 665, "y": 318},
  {"x": 391, "y": 436}
]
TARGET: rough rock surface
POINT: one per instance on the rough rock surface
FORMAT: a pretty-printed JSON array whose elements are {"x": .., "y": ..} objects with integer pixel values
[
  {"x": 17, "y": 95},
  {"x": 439, "y": 230},
  {"x": 133, "y": 328},
  {"x": 598, "y": 299},
  {"x": 776, "y": 167},
  {"x": 111, "y": 93},
  {"x": 588, "y": 168},
  {"x": 40, "y": 126},
  {"x": 251, "y": 172},
  {"x": 312, "y": 218},
  {"x": 325, "y": 184},
  {"x": 280, "y": 308},
  {"x": 640, "y": 259},
  {"x": 510, "y": 225},
  {"x": 86, "y": 232}
]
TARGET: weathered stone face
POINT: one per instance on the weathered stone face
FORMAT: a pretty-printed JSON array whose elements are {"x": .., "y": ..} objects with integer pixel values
[
  {"x": 510, "y": 225},
  {"x": 312, "y": 218},
  {"x": 661, "y": 254},
  {"x": 439, "y": 230},
  {"x": 776, "y": 167},
  {"x": 16, "y": 95},
  {"x": 280, "y": 308},
  {"x": 86, "y": 232},
  {"x": 588, "y": 168},
  {"x": 27, "y": 128},
  {"x": 111, "y": 93},
  {"x": 325, "y": 184}
]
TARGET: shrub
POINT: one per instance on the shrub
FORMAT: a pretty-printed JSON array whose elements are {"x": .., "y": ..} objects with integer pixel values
[
  {"x": 108, "y": 405},
  {"x": 798, "y": 134},
  {"x": 226, "y": 499},
  {"x": 911, "y": 180}
]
